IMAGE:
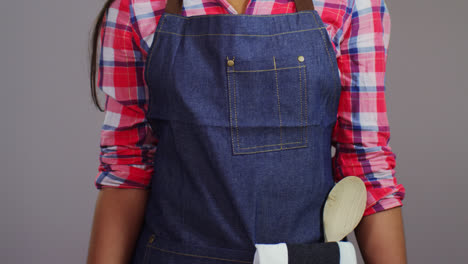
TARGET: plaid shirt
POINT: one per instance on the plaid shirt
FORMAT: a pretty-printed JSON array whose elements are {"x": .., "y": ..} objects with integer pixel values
[{"x": 359, "y": 31}]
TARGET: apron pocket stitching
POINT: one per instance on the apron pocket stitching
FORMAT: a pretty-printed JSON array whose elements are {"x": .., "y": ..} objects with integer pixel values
[{"x": 233, "y": 107}]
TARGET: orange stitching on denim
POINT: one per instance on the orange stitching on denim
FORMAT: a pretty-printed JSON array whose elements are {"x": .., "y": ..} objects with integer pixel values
[
  {"x": 300, "y": 100},
  {"x": 329, "y": 57},
  {"x": 306, "y": 97},
  {"x": 301, "y": 114},
  {"x": 270, "y": 145},
  {"x": 277, "y": 94},
  {"x": 284, "y": 68},
  {"x": 235, "y": 110},
  {"x": 241, "y": 35},
  {"x": 230, "y": 108},
  {"x": 199, "y": 256},
  {"x": 154, "y": 44},
  {"x": 148, "y": 243},
  {"x": 235, "y": 106},
  {"x": 261, "y": 151}
]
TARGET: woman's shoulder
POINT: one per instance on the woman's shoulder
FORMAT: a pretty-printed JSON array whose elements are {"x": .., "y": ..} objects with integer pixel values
[
  {"x": 335, "y": 15},
  {"x": 146, "y": 5},
  {"x": 334, "y": 11},
  {"x": 144, "y": 16},
  {"x": 144, "y": 9}
]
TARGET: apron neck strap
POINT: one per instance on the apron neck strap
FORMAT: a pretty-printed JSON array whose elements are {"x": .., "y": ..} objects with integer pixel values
[{"x": 175, "y": 6}]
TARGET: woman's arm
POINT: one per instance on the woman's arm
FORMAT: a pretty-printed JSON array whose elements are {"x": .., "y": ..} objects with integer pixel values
[
  {"x": 118, "y": 217},
  {"x": 381, "y": 237},
  {"x": 127, "y": 143},
  {"x": 362, "y": 131}
]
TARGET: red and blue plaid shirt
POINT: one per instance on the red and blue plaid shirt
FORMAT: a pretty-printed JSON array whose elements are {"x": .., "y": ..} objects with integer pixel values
[{"x": 359, "y": 31}]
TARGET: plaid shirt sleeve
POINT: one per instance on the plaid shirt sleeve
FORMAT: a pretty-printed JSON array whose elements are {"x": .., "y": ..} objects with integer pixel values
[
  {"x": 127, "y": 145},
  {"x": 361, "y": 134}
]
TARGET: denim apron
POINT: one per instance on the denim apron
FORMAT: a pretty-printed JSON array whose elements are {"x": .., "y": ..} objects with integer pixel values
[{"x": 244, "y": 107}]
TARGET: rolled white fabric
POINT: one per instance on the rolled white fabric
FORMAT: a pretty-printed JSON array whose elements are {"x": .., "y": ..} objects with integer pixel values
[
  {"x": 271, "y": 254},
  {"x": 347, "y": 253},
  {"x": 278, "y": 254}
]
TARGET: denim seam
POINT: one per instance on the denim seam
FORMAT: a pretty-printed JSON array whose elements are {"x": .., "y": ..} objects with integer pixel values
[
  {"x": 154, "y": 44},
  {"x": 300, "y": 99},
  {"x": 145, "y": 256},
  {"x": 148, "y": 244},
  {"x": 283, "y": 68},
  {"x": 270, "y": 150},
  {"x": 240, "y": 35},
  {"x": 199, "y": 256},
  {"x": 238, "y": 15},
  {"x": 306, "y": 98},
  {"x": 270, "y": 145},
  {"x": 279, "y": 109},
  {"x": 330, "y": 59},
  {"x": 230, "y": 111},
  {"x": 235, "y": 106}
]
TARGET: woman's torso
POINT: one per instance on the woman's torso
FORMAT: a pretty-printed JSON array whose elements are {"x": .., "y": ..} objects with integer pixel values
[{"x": 244, "y": 108}]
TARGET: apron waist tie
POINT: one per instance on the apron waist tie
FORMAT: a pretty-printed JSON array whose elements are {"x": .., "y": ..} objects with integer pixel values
[{"x": 341, "y": 252}]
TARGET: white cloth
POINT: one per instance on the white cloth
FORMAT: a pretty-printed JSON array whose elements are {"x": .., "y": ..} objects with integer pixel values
[
  {"x": 278, "y": 253},
  {"x": 347, "y": 252},
  {"x": 271, "y": 254}
]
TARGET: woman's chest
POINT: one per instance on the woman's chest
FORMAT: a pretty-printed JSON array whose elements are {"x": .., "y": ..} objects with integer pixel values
[
  {"x": 147, "y": 13},
  {"x": 239, "y": 5}
]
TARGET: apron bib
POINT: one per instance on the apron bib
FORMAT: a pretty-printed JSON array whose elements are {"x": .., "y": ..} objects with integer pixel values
[{"x": 244, "y": 107}]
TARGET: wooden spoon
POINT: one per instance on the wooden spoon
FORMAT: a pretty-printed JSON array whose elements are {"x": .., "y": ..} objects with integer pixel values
[{"x": 344, "y": 208}]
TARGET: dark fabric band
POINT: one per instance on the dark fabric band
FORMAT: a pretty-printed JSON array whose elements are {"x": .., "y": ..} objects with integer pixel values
[{"x": 315, "y": 253}]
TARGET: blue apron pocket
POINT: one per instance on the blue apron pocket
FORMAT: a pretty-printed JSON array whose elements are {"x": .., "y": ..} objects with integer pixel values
[{"x": 269, "y": 103}]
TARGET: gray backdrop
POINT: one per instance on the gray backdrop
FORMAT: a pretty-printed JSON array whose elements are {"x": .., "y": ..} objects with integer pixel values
[{"x": 50, "y": 129}]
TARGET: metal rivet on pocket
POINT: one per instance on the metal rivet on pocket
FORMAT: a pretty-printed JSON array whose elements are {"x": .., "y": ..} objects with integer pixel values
[
  {"x": 300, "y": 58},
  {"x": 151, "y": 239},
  {"x": 230, "y": 62}
]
